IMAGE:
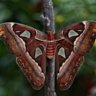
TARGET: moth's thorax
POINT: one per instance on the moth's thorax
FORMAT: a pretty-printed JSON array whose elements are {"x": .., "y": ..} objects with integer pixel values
[{"x": 50, "y": 50}]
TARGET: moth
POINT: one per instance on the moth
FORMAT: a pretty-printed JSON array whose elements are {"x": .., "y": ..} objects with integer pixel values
[{"x": 32, "y": 47}]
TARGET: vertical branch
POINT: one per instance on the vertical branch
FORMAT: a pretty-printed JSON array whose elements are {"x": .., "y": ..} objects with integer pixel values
[
  {"x": 50, "y": 78},
  {"x": 48, "y": 16},
  {"x": 48, "y": 20}
]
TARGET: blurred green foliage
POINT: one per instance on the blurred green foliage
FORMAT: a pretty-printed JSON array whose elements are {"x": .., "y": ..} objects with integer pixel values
[{"x": 12, "y": 80}]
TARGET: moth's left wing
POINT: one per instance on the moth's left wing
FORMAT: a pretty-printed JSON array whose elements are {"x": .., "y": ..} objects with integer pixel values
[
  {"x": 28, "y": 44},
  {"x": 72, "y": 44}
]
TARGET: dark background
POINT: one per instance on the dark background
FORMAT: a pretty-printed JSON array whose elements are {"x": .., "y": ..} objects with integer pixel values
[{"x": 12, "y": 80}]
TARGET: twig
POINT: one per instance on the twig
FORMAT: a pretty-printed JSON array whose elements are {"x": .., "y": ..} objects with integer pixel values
[
  {"x": 48, "y": 16},
  {"x": 48, "y": 20}
]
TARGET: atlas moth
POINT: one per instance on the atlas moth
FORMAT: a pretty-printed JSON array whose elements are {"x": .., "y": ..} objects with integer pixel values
[{"x": 32, "y": 47}]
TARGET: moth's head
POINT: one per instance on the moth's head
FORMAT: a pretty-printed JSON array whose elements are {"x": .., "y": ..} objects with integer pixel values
[{"x": 50, "y": 36}]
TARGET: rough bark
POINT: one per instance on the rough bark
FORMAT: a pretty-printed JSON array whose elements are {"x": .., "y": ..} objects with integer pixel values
[{"x": 49, "y": 25}]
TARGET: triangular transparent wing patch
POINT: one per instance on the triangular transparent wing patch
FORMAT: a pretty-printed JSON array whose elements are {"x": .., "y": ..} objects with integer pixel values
[
  {"x": 38, "y": 52},
  {"x": 62, "y": 52},
  {"x": 72, "y": 33},
  {"x": 25, "y": 34}
]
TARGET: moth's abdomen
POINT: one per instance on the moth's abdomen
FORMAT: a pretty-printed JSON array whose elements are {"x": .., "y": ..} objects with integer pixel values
[{"x": 50, "y": 50}]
